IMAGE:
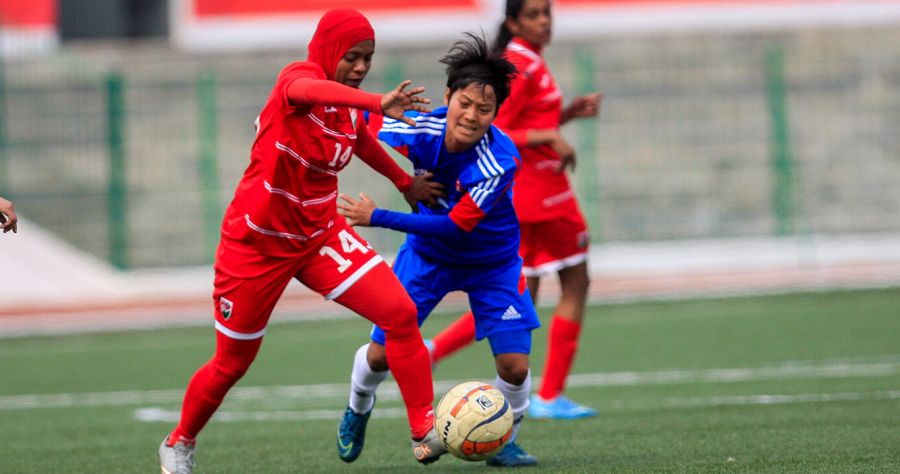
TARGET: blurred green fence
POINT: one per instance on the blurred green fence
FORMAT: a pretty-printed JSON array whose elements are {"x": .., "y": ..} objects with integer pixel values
[{"x": 132, "y": 152}]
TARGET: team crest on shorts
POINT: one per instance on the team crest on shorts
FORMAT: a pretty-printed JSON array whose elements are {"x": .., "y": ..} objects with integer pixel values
[
  {"x": 225, "y": 306},
  {"x": 584, "y": 239}
]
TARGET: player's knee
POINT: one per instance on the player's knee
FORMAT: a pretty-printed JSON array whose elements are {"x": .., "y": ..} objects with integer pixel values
[
  {"x": 377, "y": 357},
  {"x": 575, "y": 281},
  {"x": 514, "y": 376},
  {"x": 402, "y": 318},
  {"x": 512, "y": 370}
]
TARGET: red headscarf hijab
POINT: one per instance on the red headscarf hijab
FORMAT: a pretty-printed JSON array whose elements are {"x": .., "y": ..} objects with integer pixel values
[{"x": 338, "y": 31}]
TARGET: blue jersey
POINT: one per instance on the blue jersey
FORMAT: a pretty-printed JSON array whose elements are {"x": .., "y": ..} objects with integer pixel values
[{"x": 478, "y": 184}]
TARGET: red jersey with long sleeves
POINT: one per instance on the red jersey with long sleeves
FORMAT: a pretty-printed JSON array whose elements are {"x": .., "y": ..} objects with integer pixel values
[
  {"x": 535, "y": 102},
  {"x": 288, "y": 193}
]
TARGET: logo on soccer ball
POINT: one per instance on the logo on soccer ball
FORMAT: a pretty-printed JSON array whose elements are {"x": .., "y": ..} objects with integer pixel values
[
  {"x": 225, "y": 306},
  {"x": 446, "y": 430},
  {"x": 484, "y": 402}
]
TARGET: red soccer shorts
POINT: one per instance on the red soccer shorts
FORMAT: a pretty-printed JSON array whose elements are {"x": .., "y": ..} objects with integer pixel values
[
  {"x": 248, "y": 284},
  {"x": 550, "y": 246}
]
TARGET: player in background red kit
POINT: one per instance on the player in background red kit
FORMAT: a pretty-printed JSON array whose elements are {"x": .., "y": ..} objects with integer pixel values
[
  {"x": 554, "y": 233},
  {"x": 283, "y": 224}
]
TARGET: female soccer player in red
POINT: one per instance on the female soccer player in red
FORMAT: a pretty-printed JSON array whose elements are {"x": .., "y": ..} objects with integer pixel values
[
  {"x": 283, "y": 224},
  {"x": 554, "y": 233}
]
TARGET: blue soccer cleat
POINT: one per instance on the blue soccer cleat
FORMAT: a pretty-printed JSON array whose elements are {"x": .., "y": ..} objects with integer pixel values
[
  {"x": 352, "y": 434},
  {"x": 560, "y": 408},
  {"x": 512, "y": 456}
]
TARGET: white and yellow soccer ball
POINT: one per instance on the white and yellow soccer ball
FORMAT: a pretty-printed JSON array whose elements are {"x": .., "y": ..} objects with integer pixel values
[{"x": 473, "y": 421}]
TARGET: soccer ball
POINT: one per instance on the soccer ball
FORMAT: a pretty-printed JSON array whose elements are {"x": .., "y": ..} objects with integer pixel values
[{"x": 473, "y": 421}]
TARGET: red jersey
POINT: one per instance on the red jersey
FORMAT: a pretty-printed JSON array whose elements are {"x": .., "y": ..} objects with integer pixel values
[
  {"x": 288, "y": 194},
  {"x": 535, "y": 102}
]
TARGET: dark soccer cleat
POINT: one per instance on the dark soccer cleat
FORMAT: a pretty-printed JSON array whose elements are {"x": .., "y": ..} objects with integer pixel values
[{"x": 352, "y": 434}]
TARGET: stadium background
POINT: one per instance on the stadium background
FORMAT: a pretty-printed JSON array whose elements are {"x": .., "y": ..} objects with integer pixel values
[
  {"x": 130, "y": 149},
  {"x": 743, "y": 148}
]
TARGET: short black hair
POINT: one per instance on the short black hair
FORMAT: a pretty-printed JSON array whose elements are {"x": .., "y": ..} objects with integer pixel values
[{"x": 471, "y": 61}]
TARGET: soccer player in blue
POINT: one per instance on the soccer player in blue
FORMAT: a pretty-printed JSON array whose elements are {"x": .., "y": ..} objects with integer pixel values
[{"x": 469, "y": 242}]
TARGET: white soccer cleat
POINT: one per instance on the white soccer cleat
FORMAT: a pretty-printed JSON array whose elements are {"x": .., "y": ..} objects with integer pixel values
[
  {"x": 176, "y": 459},
  {"x": 428, "y": 449}
]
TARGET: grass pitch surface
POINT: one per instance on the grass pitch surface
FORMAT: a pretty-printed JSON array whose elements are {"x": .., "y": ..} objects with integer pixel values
[{"x": 792, "y": 383}]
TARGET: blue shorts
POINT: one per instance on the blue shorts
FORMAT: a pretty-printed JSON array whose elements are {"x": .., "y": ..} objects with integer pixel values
[{"x": 498, "y": 296}]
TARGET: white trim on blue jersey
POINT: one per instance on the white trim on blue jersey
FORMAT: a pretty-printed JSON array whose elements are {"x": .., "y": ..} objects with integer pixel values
[{"x": 424, "y": 124}]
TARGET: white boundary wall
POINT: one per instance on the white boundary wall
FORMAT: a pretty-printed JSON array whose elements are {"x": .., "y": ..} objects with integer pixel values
[{"x": 573, "y": 22}]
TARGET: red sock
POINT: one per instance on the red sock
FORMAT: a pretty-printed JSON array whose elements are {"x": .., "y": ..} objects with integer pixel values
[
  {"x": 211, "y": 382},
  {"x": 407, "y": 355},
  {"x": 561, "y": 346},
  {"x": 408, "y": 360},
  {"x": 454, "y": 337}
]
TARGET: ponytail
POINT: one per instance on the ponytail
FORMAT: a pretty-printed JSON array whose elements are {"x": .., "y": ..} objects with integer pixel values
[{"x": 504, "y": 36}]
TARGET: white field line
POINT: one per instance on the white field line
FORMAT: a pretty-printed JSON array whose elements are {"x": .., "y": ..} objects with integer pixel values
[
  {"x": 839, "y": 368},
  {"x": 153, "y": 414},
  {"x": 158, "y": 414}
]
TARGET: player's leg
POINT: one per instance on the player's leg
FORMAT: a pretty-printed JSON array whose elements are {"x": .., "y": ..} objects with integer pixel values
[
  {"x": 364, "y": 381},
  {"x": 242, "y": 309},
  {"x": 210, "y": 383},
  {"x": 457, "y": 335},
  {"x": 380, "y": 298},
  {"x": 514, "y": 381},
  {"x": 505, "y": 314},
  {"x": 565, "y": 325},
  {"x": 534, "y": 285},
  {"x": 347, "y": 270},
  {"x": 370, "y": 367},
  {"x": 565, "y": 328}
]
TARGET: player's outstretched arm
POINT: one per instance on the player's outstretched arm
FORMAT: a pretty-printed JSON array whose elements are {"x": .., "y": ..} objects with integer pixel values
[
  {"x": 308, "y": 91},
  {"x": 365, "y": 213},
  {"x": 8, "y": 219}
]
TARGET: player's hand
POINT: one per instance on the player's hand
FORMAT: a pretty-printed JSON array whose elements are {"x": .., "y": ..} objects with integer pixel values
[
  {"x": 399, "y": 100},
  {"x": 566, "y": 154},
  {"x": 584, "y": 106},
  {"x": 8, "y": 219},
  {"x": 357, "y": 213},
  {"x": 425, "y": 190}
]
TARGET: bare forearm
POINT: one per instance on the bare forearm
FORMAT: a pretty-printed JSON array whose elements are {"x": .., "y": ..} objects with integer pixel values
[{"x": 541, "y": 136}]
